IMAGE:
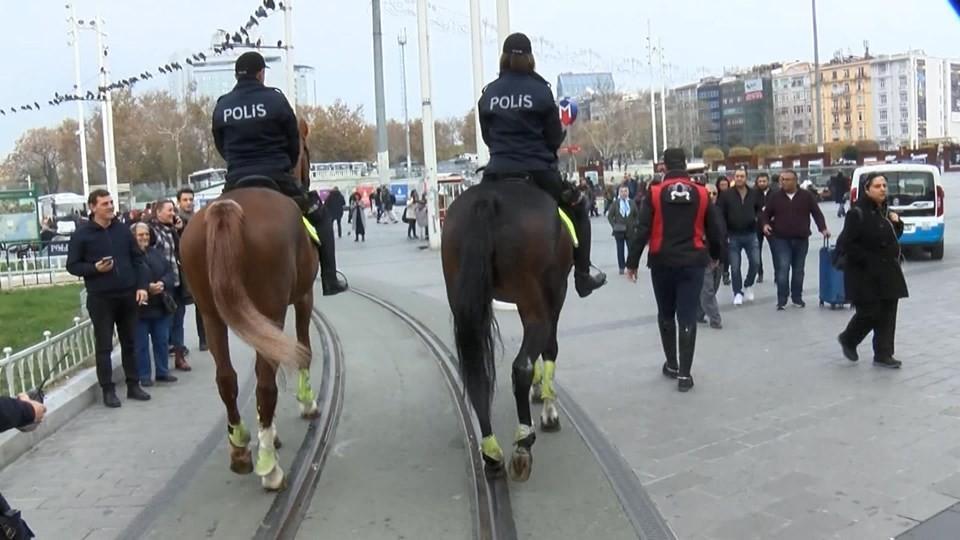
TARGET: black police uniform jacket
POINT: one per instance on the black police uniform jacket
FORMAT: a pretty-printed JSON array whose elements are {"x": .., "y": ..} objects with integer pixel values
[
  {"x": 520, "y": 123},
  {"x": 680, "y": 225},
  {"x": 255, "y": 130}
]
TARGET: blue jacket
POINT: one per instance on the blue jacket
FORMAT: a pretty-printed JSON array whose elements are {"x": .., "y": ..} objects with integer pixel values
[
  {"x": 520, "y": 123},
  {"x": 91, "y": 242},
  {"x": 255, "y": 130}
]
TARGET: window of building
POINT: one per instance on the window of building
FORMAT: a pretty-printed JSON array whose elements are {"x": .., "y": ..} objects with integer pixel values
[
  {"x": 846, "y": 88},
  {"x": 904, "y": 98},
  {"x": 904, "y": 129},
  {"x": 882, "y": 68},
  {"x": 904, "y": 113},
  {"x": 836, "y": 118},
  {"x": 884, "y": 132},
  {"x": 903, "y": 80},
  {"x": 846, "y": 74},
  {"x": 861, "y": 133},
  {"x": 883, "y": 99},
  {"x": 847, "y": 118},
  {"x": 883, "y": 115},
  {"x": 860, "y": 117},
  {"x": 883, "y": 84},
  {"x": 833, "y": 75}
]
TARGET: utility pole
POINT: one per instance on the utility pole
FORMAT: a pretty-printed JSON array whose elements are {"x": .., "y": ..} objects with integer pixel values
[
  {"x": 429, "y": 134},
  {"x": 476, "y": 35},
  {"x": 383, "y": 148},
  {"x": 663, "y": 95},
  {"x": 816, "y": 78},
  {"x": 503, "y": 21},
  {"x": 74, "y": 34},
  {"x": 109, "y": 145},
  {"x": 288, "y": 41},
  {"x": 653, "y": 100},
  {"x": 402, "y": 40}
]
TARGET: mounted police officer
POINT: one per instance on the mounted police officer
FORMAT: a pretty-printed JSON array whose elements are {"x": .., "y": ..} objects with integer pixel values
[
  {"x": 684, "y": 233},
  {"x": 255, "y": 130},
  {"x": 520, "y": 123}
]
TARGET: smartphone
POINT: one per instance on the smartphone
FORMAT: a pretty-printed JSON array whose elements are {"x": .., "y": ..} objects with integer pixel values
[{"x": 106, "y": 259}]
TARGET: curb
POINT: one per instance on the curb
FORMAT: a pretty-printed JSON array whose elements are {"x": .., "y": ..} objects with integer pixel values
[{"x": 64, "y": 404}]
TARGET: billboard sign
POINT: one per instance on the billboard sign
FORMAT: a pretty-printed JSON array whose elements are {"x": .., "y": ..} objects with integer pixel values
[
  {"x": 19, "y": 221},
  {"x": 753, "y": 89},
  {"x": 955, "y": 90}
]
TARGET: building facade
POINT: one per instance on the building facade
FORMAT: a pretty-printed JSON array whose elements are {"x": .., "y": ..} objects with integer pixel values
[
  {"x": 846, "y": 86},
  {"x": 708, "y": 113},
  {"x": 793, "y": 104},
  {"x": 915, "y": 99},
  {"x": 582, "y": 86},
  {"x": 683, "y": 122},
  {"x": 737, "y": 110}
]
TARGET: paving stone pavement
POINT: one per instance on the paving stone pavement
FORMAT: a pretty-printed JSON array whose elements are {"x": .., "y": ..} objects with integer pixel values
[{"x": 782, "y": 437}]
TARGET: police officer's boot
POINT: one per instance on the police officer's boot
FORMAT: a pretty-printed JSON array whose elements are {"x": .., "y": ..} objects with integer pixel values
[
  {"x": 687, "y": 344},
  {"x": 316, "y": 214},
  {"x": 668, "y": 338},
  {"x": 583, "y": 280}
]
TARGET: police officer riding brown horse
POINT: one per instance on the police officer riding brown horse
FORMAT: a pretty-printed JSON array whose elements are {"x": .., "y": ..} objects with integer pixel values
[
  {"x": 248, "y": 257},
  {"x": 505, "y": 240}
]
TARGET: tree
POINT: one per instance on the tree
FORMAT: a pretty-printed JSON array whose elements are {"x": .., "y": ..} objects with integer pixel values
[
  {"x": 739, "y": 151},
  {"x": 712, "y": 154},
  {"x": 37, "y": 154},
  {"x": 339, "y": 133},
  {"x": 867, "y": 145},
  {"x": 763, "y": 151},
  {"x": 468, "y": 131},
  {"x": 850, "y": 153}
]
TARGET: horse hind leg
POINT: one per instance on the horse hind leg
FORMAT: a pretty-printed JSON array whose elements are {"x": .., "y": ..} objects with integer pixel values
[
  {"x": 238, "y": 436},
  {"x": 549, "y": 417},
  {"x": 268, "y": 465},
  {"x": 305, "y": 394},
  {"x": 535, "y": 333}
]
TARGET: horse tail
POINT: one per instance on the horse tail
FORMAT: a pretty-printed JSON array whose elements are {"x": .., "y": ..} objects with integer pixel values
[
  {"x": 474, "y": 326},
  {"x": 225, "y": 253}
]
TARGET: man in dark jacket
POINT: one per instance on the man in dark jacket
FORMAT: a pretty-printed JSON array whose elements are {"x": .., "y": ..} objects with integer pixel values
[
  {"x": 520, "y": 123},
  {"x": 335, "y": 204},
  {"x": 762, "y": 186},
  {"x": 684, "y": 233},
  {"x": 104, "y": 253},
  {"x": 740, "y": 207},
  {"x": 786, "y": 221},
  {"x": 256, "y": 132}
]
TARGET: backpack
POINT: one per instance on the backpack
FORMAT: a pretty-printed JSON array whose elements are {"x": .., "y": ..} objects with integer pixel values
[{"x": 839, "y": 258}]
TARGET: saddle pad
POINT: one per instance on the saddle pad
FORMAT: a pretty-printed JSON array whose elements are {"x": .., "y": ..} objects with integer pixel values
[
  {"x": 568, "y": 223},
  {"x": 311, "y": 231}
]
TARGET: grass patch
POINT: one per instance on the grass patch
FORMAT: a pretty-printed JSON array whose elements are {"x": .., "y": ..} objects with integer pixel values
[{"x": 26, "y": 313}]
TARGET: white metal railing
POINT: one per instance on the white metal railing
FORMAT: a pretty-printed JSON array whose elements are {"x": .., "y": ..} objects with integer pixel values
[
  {"x": 53, "y": 357},
  {"x": 32, "y": 268}
]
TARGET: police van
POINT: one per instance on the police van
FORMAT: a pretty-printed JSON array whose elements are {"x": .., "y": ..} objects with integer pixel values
[{"x": 915, "y": 193}]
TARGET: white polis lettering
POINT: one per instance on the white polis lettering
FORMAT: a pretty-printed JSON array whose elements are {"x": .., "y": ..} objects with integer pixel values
[
  {"x": 247, "y": 112},
  {"x": 523, "y": 101}
]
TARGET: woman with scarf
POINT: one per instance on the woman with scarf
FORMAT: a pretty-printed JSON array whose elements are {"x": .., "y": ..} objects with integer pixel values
[{"x": 869, "y": 253}]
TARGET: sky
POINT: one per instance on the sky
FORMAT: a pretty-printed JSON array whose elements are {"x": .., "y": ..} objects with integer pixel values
[{"x": 699, "y": 38}]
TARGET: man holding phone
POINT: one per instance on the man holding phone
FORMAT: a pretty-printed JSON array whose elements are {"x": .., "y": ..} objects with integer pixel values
[{"x": 105, "y": 254}]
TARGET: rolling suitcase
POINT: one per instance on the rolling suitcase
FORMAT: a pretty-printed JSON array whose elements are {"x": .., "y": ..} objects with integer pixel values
[{"x": 831, "y": 279}]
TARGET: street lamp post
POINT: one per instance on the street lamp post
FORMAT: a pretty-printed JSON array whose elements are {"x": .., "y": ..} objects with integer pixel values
[
  {"x": 402, "y": 40},
  {"x": 288, "y": 41},
  {"x": 383, "y": 149},
  {"x": 653, "y": 100},
  {"x": 503, "y": 21},
  {"x": 816, "y": 78},
  {"x": 476, "y": 34},
  {"x": 429, "y": 133},
  {"x": 663, "y": 95},
  {"x": 74, "y": 34}
]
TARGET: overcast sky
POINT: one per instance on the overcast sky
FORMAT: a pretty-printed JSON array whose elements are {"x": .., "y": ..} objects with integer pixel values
[{"x": 699, "y": 38}]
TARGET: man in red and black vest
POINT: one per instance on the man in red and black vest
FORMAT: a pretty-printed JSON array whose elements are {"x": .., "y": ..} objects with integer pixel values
[{"x": 683, "y": 231}]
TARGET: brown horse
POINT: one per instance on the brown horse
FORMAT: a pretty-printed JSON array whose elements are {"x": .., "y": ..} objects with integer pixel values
[
  {"x": 505, "y": 241},
  {"x": 247, "y": 258}
]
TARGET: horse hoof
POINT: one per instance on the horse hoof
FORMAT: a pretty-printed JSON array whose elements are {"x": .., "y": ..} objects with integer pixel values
[
  {"x": 309, "y": 412},
  {"x": 535, "y": 395},
  {"x": 549, "y": 425},
  {"x": 521, "y": 464},
  {"x": 275, "y": 480},
  {"x": 276, "y": 442},
  {"x": 241, "y": 461}
]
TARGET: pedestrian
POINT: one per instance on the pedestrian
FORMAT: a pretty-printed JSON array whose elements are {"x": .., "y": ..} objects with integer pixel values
[
  {"x": 762, "y": 185},
  {"x": 709, "y": 309},
  {"x": 104, "y": 253},
  {"x": 624, "y": 216},
  {"x": 155, "y": 316},
  {"x": 165, "y": 237},
  {"x": 872, "y": 277},
  {"x": 684, "y": 233},
  {"x": 185, "y": 211},
  {"x": 786, "y": 221},
  {"x": 335, "y": 205},
  {"x": 740, "y": 208}
]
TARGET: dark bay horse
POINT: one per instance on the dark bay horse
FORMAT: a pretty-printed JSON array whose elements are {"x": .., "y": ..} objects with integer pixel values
[
  {"x": 504, "y": 240},
  {"x": 247, "y": 258}
]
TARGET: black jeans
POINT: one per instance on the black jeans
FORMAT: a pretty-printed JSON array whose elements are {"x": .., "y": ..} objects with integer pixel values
[
  {"x": 880, "y": 317},
  {"x": 106, "y": 312},
  {"x": 677, "y": 290}
]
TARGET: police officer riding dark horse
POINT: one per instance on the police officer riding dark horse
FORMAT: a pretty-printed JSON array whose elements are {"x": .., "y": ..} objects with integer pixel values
[
  {"x": 255, "y": 130},
  {"x": 520, "y": 123}
]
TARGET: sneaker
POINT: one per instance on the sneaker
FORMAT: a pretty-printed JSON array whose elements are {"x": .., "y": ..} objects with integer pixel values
[
  {"x": 748, "y": 294},
  {"x": 781, "y": 307},
  {"x": 799, "y": 303},
  {"x": 716, "y": 325},
  {"x": 738, "y": 299}
]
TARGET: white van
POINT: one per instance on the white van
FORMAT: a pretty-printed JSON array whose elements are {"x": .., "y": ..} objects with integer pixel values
[{"x": 915, "y": 193}]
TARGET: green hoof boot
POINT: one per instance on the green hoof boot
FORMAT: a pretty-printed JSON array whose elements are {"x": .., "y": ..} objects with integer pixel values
[
  {"x": 492, "y": 456},
  {"x": 238, "y": 435}
]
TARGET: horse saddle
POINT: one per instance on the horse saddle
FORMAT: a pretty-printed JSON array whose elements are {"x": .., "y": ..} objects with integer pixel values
[{"x": 261, "y": 181}]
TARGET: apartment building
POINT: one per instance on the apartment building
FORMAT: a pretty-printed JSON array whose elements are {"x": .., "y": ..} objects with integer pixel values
[
  {"x": 793, "y": 104},
  {"x": 847, "y": 94}
]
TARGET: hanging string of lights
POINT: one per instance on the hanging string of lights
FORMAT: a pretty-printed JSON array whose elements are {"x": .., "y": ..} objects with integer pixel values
[{"x": 240, "y": 39}]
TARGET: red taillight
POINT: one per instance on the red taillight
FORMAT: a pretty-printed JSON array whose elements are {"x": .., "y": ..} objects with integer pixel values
[
  {"x": 939, "y": 201},
  {"x": 853, "y": 195}
]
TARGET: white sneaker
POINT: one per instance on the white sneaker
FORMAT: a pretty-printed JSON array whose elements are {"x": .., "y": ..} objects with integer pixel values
[
  {"x": 738, "y": 299},
  {"x": 748, "y": 294}
]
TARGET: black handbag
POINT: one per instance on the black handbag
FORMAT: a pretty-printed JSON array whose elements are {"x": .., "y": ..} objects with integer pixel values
[
  {"x": 12, "y": 525},
  {"x": 169, "y": 302}
]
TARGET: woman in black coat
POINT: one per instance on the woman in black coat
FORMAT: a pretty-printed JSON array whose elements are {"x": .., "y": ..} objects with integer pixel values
[
  {"x": 155, "y": 316},
  {"x": 873, "y": 279}
]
